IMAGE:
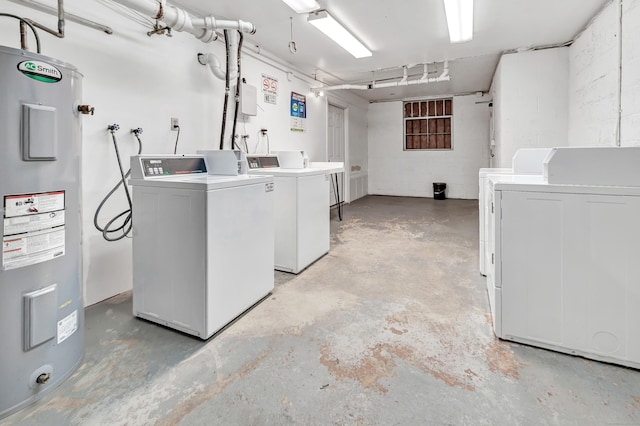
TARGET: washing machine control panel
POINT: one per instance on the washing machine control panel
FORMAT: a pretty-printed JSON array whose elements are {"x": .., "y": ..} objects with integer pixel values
[
  {"x": 165, "y": 166},
  {"x": 263, "y": 162}
]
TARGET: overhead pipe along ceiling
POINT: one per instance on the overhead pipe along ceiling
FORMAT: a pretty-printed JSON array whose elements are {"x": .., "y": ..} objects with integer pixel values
[
  {"x": 203, "y": 28},
  {"x": 404, "y": 81},
  {"x": 67, "y": 16}
]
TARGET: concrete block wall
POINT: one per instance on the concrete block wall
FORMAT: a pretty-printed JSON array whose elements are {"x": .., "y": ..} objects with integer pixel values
[
  {"x": 593, "y": 82},
  {"x": 393, "y": 171},
  {"x": 530, "y": 102},
  {"x": 599, "y": 93}
]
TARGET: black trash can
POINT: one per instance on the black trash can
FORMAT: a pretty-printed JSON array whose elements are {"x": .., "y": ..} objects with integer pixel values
[{"x": 438, "y": 190}]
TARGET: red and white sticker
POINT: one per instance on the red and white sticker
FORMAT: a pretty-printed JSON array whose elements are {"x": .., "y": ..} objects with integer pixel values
[{"x": 31, "y": 204}]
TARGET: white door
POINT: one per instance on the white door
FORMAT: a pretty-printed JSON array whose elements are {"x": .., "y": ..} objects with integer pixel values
[{"x": 336, "y": 149}]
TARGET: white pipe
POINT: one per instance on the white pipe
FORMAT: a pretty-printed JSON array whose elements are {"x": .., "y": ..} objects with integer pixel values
[
  {"x": 403, "y": 82},
  {"x": 214, "y": 63},
  {"x": 233, "y": 54},
  {"x": 405, "y": 74},
  {"x": 203, "y": 28},
  {"x": 341, "y": 87},
  {"x": 425, "y": 73}
]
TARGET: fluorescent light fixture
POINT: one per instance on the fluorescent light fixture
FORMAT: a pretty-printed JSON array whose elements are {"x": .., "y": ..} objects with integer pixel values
[
  {"x": 325, "y": 23},
  {"x": 302, "y": 6},
  {"x": 459, "y": 20}
]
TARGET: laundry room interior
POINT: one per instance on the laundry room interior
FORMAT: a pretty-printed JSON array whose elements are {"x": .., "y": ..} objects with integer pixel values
[{"x": 218, "y": 212}]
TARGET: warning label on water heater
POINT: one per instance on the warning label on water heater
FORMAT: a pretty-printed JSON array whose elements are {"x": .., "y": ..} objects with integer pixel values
[
  {"x": 28, "y": 204},
  {"x": 34, "y": 229},
  {"x": 67, "y": 326}
]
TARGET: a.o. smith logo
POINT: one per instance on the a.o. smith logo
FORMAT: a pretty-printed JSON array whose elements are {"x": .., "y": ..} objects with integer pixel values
[{"x": 40, "y": 71}]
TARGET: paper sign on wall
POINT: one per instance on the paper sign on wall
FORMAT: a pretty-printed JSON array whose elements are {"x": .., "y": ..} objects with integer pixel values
[{"x": 269, "y": 89}]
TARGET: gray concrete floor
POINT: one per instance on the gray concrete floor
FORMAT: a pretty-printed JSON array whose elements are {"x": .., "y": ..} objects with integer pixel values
[{"x": 390, "y": 328}]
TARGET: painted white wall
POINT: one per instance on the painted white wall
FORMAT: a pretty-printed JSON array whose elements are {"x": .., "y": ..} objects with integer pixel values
[
  {"x": 393, "y": 171},
  {"x": 630, "y": 132},
  {"x": 530, "y": 102},
  {"x": 593, "y": 82},
  {"x": 140, "y": 81}
]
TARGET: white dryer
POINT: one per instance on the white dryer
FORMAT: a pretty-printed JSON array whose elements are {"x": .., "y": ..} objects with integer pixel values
[
  {"x": 526, "y": 161},
  {"x": 566, "y": 247},
  {"x": 202, "y": 244}
]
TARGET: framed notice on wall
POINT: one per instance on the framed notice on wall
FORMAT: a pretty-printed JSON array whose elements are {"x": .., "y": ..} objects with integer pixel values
[{"x": 298, "y": 112}]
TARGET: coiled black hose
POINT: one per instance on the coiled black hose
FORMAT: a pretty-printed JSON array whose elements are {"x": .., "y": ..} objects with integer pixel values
[{"x": 125, "y": 228}]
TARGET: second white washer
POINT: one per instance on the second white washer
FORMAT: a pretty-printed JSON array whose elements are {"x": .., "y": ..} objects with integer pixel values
[{"x": 302, "y": 214}]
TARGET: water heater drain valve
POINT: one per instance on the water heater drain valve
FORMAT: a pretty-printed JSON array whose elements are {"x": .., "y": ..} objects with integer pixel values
[{"x": 43, "y": 378}]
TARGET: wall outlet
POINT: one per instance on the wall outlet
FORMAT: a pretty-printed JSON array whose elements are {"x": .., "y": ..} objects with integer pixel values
[{"x": 174, "y": 123}]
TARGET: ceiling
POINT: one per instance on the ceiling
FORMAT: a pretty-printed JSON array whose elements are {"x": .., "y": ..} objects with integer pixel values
[{"x": 405, "y": 33}]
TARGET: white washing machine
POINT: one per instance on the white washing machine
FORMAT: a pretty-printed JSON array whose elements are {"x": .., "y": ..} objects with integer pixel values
[
  {"x": 302, "y": 210},
  {"x": 566, "y": 247},
  {"x": 202, "y": 244},
  {"x": 526, "y": 161}
]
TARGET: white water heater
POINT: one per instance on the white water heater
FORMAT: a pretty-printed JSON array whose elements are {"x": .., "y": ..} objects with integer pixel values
[{"x": 41, "y": 307}]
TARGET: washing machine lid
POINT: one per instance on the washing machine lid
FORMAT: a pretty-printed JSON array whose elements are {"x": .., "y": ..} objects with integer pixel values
[
  {"x": 315, "y": 168},
  {"x": 538, "y": 183},
  {"x": 328, "y": 166},
  {"x": 277, "y": 171},
  {"x": 484, "y": 172},
  {"x": 203, "y": 182}
]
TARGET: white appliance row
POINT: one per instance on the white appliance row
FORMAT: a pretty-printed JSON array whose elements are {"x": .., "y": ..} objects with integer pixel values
[
  {"x": 564, "y": 247},
  {"x": 207, "y": 235}
]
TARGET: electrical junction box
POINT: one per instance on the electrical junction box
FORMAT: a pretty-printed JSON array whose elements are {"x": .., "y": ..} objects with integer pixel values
[{"x": 248, "y": 99}]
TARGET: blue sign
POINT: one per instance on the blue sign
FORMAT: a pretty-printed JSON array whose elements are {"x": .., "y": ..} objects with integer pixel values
[{"x": 298, "y": 105}]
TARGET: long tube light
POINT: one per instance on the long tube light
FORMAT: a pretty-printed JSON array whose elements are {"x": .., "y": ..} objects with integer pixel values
[
  {"x": 459, "y": 20},
  {"x": 302, "y": 6},
  {"x": 325, "y": 23}
]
